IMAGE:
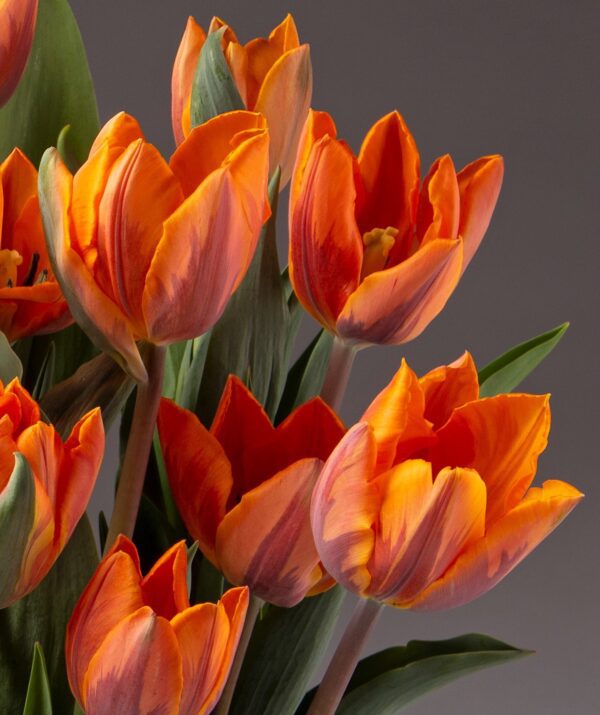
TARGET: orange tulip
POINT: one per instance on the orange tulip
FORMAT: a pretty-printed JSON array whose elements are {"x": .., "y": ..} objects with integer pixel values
[
  {"x": 146, "y": 250},
  {"x": 45, "y": 485},
  {"x": 426, "y": 503},
  {"x": 373, "y": 258},
  {"x": 243, "y": 489},
  {"x": 135, "y": 645},
  {"x": 17, "y": 27},
  {"x": 273, "y": 76},
  {"x": 30, "y": 298}
]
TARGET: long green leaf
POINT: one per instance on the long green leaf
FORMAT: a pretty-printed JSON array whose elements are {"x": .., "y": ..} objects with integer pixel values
[
  {"x": 10, "y": 364},
  {"x": 38, "y": 700},
  {"x": 287, "y": 646},
  {"x": 507, "y": 371},
  {"x": 55, "y": 90}
]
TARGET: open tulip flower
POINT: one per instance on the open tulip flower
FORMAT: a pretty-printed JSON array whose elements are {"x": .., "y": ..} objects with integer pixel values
[
  {"x": 146, "y": 250},
  {"x": 135, "y": 645},
  {"x": 17, "y": 27},
  {"x": 243, "y": 489},
  {"x": 426, "y": 503},
  {"x": 273, "y": 76},
  {"x": 373, "y": 257},
  {"x": 45, "y": 486},
  {"x": 30, "y": 298}
]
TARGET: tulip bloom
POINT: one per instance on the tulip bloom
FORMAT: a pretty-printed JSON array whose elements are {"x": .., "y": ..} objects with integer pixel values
[
  {"x": 45, "y": 485},
  {"x": 30, "y": 298},
  {"x": 373, "y": 258},
  {"x": 427, "y": 502},
  {"x": 146, "y": 250},
  {"x": 17, "y": 27},
  {"x": 273, "y": 76},
  {"x": 243, "y": 489},
  {"x": 135, "y": 645}
]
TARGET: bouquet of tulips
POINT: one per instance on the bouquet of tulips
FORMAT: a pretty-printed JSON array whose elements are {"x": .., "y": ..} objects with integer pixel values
[{"x": 147, "y": 294}]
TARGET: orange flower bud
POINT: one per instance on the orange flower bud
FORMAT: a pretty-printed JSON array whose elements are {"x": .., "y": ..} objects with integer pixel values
[
  {"x": 17, "y": 27},
  {"x": 243, "y": 489},
  {"x": 45, "y": 486},
  {"x": 273, "y": 77},
  {"x": 134, "y": 644},
  {"x": 373, "y": 257},
  {"x": 146, "y": 250},
  {"x": 427, "y": 502},
  {"x": 30, "y": 298}
]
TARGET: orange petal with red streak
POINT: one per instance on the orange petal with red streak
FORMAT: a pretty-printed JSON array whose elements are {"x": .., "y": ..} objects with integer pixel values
[
  {"x": 17, "y": 28},
  {"x": 448, "y": 387},
  {"x": 164, "y": 588},
  {"x": 317, "y": 125},
  {"x": 184, "y": 70},
  {"x": 438, "y": 210}
]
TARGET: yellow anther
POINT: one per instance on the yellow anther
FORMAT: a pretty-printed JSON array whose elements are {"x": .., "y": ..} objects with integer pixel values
[
  {"x": 9, "y": 262},
  {"x": 378, "y": 244}
]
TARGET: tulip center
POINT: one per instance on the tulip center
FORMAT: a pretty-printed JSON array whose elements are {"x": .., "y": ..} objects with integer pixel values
[
  {"x": 378, "y": 244},
  {"x": 9, "y": 262}
]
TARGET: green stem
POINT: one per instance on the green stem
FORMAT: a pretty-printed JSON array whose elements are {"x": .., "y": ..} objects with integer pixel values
[
  {"x": 227, "y": 696},
  {"x": 338, "y": 372},
  {"x": 342, "y": 665},
  {"x": 135, "y": 462}
]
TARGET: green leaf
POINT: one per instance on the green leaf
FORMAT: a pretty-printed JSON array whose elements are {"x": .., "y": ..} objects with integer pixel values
[
  {"x": 42, "y": 617},
  {"x": 10, "y": 364},
  {"x": 38, "y": 700},
  {"x": 45, "y": 378},
  {"x": 286, "y": 647},
  {"x": 213, "y": 91},
  {"x": 506, "y": 372},
  {"x": 191, "y": 370},
  {"x": 56, "y": 89},
  {"x": 387, "y": 681},
  {"x": 253, "y": 337}
]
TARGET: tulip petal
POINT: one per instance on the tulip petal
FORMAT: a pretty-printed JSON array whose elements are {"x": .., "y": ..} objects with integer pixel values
[
  {"x": 17, "y": 28},
  {"x": 199, "y": 473},
  {"x": 395, "y": 305},
  {"x": 501, "y": 437},
  {"x": 479, "y": 185},
  {"x": 284, "y": 99},
  {"x": 18, "y": 182},
  {"x": 137, "y": 670},
  {"x": 164, "y": 588},
  {"x": 28, "y": 408},
  {"x": 507, "y": 543},
  {"x": 344, "y": 508},
  {"x": 448, "y": 387},
  {"x": 423, "y": 527},
  {"x": 265, "y": 542},
  {"x": 317, "y": 125},
  {"x": 118, "y": 133},
  {"x": 182, "y": 78},
  {"x": 438, "y": 211},
  {"x": 33, "y": 310},
  {"x": 97, "y": 314},
  {"x": 326, "y": 248},
  {"x": 207, "y": 246}
]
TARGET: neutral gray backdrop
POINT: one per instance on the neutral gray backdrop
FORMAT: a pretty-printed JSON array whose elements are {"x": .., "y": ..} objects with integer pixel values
[{"x": 471, "y": 77}]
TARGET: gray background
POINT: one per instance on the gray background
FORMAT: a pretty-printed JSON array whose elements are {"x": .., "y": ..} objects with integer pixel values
[{"x": 470, "y": 77}]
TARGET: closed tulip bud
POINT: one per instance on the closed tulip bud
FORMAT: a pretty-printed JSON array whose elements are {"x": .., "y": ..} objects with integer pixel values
[
  {"x": 17, "y": 27},
  {"x": 135, "y": 645},
  {"x": 146, "y": 250},
  {"x": 273, "y": 76},
  {"x": 427, "y": 502},
  {"x": 30, "y": 298},
  {"x": 243, "y": 489},
  {"x": 374, "y": 255},
  {"x": 45, "y": 486}
]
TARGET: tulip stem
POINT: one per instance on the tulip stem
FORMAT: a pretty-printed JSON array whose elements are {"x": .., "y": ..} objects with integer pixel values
[
  {"x": 338, "y": 372},
  {"x": 135, "y": 462},
  {"x": 254, "y": 607},
  {"x": 342, "y": 665}
]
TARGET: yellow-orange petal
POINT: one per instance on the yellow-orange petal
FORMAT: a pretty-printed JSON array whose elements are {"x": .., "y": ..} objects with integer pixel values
[
  {"x": 118, "y": 133},
  {"x": 423, "y": 526},
  {"x": 447, "y": 387},
  {"x": 479, "y": 184},
  {"x": 164, "y": 588},
  {"x": 18, "y": 182},
  {"x": 438, "y": 210},
  {"x": 506, "y": 543},
  {"x": 395, "y": 305},
  {"x": 265, "y": 541},
  {"x": 184, "y": 69},
  {"x": 344, "y": 509},
  {"x": 33, "y": 310},
  {"x": 317, "y": 125},
  {"x": 284, "y": 99},
  {"x": 137, "y": 670},
  {"x": 17, "y": 28},
  {"x": 325, "y": 255},
  {"x": 28, "y": 409},
  {"x": 501, "y": 437},
  {"x": 199, "y": 473}
]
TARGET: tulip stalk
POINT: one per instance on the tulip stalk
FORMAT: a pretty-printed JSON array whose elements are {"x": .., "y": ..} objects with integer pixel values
[
  {"x": 135, "y": 462},
  {"x": 342, "y": 665},
  {"x": 338, "y": 373}
]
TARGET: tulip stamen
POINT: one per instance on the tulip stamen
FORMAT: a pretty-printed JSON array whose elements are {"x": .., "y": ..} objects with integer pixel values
[
  {"x": 378, "y": 243},
  {"x": 35, "y": 259},
  {"x": 9, "y": 262}
]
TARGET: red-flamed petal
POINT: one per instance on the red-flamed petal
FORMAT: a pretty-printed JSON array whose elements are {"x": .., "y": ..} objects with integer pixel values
[
  {"x": 164, "y": 588},
  {"x": 17, "y": 28}
]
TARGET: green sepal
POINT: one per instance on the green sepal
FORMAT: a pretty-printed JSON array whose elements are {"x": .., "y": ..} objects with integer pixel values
[
  {"x": 506, "y": 372},
  {"x": 38, "y": 700},
  {"x": 10, "y": 363}
]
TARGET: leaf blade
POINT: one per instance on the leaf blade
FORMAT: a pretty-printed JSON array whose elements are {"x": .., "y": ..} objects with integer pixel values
[{"x": 38, "y": 700}]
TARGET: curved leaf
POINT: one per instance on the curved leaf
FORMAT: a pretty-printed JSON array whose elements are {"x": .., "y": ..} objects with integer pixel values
[
  {"x": 10, "y": 364},
  {"x": 38, "y": 700}
]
